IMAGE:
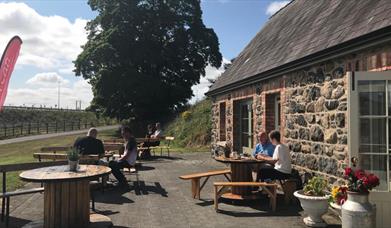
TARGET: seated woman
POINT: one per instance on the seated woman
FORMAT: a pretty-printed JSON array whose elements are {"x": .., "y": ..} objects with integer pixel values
[{"x": 281, "y": 160}]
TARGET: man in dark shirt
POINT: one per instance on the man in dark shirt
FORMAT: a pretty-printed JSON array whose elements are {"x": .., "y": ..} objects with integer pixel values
[{"x": 90, "y": 145}]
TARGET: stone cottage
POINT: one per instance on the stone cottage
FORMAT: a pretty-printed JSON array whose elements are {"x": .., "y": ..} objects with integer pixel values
[{"x": 317, "y": 71}]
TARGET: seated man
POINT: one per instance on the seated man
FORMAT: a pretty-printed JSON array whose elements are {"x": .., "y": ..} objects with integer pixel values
[
  {"x": 128, "y": 159},
  {"x": 264, "y": 147},
  {"x": 281, "y": 160},
  {"x": 90, "y": 145}
]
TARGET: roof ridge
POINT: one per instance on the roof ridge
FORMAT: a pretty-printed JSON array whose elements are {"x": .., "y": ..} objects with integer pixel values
[{"x": 281, "y": 8}]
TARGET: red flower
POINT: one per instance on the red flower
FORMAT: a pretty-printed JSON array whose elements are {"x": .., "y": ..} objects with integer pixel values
[
  {"x": 373, "y": 180},
  {"x": 359, "y": 174},
  {"x": 348, "y": 171}
]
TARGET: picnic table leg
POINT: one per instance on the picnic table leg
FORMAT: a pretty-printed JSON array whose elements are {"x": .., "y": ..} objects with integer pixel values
[
  {"x": 195, "y": 188},
  {"x": 216, "y": 202}
]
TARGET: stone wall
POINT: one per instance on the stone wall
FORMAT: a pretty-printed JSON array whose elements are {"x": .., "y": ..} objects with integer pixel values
[
  {"x": 315, "y": 113},
  {"x": 314, "y": 110}
]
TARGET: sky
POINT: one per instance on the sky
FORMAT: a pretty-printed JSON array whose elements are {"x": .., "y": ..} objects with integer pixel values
[{"x": 53, "y": 31}]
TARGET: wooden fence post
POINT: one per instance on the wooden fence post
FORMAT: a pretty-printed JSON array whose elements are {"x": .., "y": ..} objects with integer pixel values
[
  {"x": 5, "y": 130},
  {"x": 29, "y": 129},
  {"x": 47, "y": 128}
]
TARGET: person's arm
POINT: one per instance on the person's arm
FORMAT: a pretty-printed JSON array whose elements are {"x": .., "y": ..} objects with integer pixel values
[{"x": 271, "y": 160}]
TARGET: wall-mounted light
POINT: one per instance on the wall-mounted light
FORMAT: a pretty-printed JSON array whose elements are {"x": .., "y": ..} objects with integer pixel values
[{"x": 258, "y": 91}]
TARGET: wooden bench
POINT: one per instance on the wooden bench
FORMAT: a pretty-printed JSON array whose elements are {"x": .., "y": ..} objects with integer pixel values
[
  {"x": 195, "y": 180},
  {"x": 5, "y": 196},
  {"x": 288, "y": 186},
  {"x": 168, "y": 140},
  {"x": 269, "y": 188},
  {"x": 60, "y": 157},
  {"x": 55, "y": 149}
]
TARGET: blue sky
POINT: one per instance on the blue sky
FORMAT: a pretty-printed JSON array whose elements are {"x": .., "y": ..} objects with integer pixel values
[{"x": 47, "y": 52}]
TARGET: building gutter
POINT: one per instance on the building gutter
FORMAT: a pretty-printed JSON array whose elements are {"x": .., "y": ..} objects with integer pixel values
[{"x": 369, "y": 40}]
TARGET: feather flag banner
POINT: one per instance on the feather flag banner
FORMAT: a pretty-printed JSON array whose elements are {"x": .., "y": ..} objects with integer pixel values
[{"x": 7, "y": 64}]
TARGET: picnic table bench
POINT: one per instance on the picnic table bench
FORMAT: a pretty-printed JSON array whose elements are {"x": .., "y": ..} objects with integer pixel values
[
  {"x": 57, "y": 156},
  {"x": 196, "y": 177},
  {"x": 269, "y": 188}
]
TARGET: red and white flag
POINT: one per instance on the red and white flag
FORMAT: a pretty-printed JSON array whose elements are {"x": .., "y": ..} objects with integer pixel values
[{"x": 7, "y": 64}]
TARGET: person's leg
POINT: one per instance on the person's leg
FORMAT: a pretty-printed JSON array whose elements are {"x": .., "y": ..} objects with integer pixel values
[
  {"x": 116, "y": 170},
  {"x": 272, "y": 174}
]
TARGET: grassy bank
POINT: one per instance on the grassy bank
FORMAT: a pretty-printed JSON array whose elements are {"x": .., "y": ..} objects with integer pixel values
[{"x": 192, "y": 128}]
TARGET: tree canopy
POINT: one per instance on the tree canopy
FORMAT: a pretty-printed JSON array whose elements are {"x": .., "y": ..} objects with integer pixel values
[{"x": 143, "y": 56}]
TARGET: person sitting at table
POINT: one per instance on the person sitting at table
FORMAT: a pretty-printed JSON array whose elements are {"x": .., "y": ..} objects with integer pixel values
[
  {"x": 158, "y": 134},
  {"x": 90, "y": 145},
  {"x": 150, "y": 131},
  {"x": 264, "y": 147},
  {"x": 128, "y": 159},
  {"x": 281, "y": 160}
]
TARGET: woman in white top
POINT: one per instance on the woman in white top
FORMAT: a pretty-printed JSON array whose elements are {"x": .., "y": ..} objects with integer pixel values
[{"x": 281, "y": 160}]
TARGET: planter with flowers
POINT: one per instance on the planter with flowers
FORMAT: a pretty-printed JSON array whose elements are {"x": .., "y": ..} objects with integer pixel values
[
  {"x": 338, "y": 197},
  {"x": 357, "y": 211},
  {"x": 314, "y": 201}
]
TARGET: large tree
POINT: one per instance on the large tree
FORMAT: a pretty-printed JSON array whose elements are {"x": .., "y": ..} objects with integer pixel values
[{"x": 143, "y": 56}]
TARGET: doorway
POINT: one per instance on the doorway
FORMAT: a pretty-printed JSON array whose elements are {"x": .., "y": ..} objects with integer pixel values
[
  {"x": 370, "y": 133},
  {"x": 243, "y": 125}
]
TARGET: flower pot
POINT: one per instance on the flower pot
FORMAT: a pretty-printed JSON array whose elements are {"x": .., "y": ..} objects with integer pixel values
[
  {"x": 314, "y": 207},
  {"x": 73, "y": 165},
  {"x": 336, "y": 209},
  {"x": 358, "y": 212}
]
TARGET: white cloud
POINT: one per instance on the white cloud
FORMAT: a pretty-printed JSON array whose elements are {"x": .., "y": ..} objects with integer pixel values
[
  {"x": 201, "y": 88},
  {"x": 273, "y": 7},
  {"x": 47, "y": 79},
  {"x": 49, "y": 42},
  {"x": 47, "y": 96}
]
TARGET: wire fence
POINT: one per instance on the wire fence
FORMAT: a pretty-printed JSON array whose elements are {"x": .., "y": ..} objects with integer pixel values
[{"x": 34, "y": 128}]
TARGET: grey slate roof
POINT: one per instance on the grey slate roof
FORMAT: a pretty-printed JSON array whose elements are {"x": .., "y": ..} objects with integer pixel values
[{"x": 302, "y": 28}]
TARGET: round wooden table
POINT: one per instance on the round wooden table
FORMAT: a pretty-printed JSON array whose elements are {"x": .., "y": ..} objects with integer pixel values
[
  {"x": 241, "y": 171},
  {"x": 67, "y": 196}
]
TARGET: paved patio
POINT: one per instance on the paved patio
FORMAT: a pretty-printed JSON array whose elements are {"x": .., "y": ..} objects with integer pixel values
[{"x": 161, "y": 199}]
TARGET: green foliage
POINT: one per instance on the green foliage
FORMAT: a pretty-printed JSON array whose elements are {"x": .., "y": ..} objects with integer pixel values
[
  {"x": 194, "y": 131},
  {"x": 73, "y": 154},
  {"x": 143, "y": 56},
  {"x": 186, "y": 115},
  {"x": 316, "y": 186}
]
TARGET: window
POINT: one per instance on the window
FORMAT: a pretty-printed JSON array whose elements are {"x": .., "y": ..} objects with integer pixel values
[
  {"x": 273, "y": 112},
  {"x": 222, "y": 136}
]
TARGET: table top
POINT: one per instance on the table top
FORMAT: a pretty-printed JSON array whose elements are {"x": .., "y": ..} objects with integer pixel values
[
  {"x": 140, "y": 140},
  {"x": 62, "y": 173},
  {"x": 244, "y": 160}
]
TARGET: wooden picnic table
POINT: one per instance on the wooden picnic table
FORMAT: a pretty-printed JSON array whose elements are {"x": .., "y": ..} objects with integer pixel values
[
  {"x": 67, "y": 195},
  {"x": 241, "y": 171},
  {"x": 143, "y": 140}
]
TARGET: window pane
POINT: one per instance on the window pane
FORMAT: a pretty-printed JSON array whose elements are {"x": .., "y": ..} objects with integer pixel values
[
  {"x": 376, "y": 164},
  {"x": 372, "y": 95},
  {"x": 373, "y": 135}
]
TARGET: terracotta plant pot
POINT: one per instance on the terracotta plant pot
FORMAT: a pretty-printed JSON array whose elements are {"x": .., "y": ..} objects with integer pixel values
[{"x": 314, "y": 207}]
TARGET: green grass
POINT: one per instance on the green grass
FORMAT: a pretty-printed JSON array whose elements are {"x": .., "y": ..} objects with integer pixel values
[
  {"x": 23, "y": 152},
  {"x": 192, "y": 128}
]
